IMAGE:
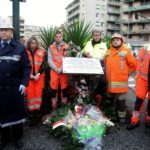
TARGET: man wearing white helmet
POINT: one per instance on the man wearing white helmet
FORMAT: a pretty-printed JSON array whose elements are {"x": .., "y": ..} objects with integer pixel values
[{"x": 14, "y": 77}]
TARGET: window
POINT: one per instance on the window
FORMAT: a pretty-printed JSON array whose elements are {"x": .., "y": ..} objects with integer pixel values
[
  {"x": 97, "y": 6},
  {"x": 102, "y": 24},
  {"x": 97, "y": 14}
]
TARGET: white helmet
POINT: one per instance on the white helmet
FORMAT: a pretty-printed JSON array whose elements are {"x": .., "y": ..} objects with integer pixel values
[{"x": 5, "y": 23}]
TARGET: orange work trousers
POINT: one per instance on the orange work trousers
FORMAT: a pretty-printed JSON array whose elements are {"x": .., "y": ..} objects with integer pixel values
[
  {"x": 34, "y": 93},
  {"x": 56, "y": 79},
  {"x": 142, "y": 88}
]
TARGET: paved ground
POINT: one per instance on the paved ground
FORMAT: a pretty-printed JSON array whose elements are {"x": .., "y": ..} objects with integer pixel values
[{"x": 117, "y": 138}]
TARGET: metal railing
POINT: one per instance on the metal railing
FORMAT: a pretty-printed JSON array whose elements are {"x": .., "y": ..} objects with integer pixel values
[{"x": 137, "y": 8}]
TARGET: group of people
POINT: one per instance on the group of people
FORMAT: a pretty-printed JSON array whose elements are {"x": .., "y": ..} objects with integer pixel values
[{"x": 22, "y": 73}]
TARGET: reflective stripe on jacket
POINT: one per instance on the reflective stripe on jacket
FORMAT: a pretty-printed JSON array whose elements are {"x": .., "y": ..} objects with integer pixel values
[
  {"x": 143, "y": 63},
  {"x": 118, "y": 65}
]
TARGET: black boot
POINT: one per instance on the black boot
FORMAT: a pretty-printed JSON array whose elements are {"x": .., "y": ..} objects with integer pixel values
[{"x": 132, "y": 126}]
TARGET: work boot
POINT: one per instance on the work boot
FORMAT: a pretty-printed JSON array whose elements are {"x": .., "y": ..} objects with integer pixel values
[
  {"x": 147, "y": 122},
  {"x": 135, "y": 121},
  {"x": 132, "y": 126}
]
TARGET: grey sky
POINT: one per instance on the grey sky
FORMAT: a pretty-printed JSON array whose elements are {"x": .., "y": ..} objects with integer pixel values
[{"x": 38, "y": 12}]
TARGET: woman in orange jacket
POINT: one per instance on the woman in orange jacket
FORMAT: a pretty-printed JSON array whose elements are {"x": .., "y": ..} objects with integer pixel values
[
  {"x": 119, "y": 63},
  {"x": 36, "y": 84}
]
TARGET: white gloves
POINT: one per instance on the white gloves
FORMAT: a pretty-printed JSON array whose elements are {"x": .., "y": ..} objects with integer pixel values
[{"x": 22, "y": 89}]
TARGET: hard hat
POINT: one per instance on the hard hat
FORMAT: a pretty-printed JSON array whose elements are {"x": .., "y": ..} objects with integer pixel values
[
  {"x": 116, "y": 35},
  {"x": 5, "y": 23}
]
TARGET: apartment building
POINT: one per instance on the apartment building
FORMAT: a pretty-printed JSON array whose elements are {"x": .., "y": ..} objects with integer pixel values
[
  {"x": 102, "y": 14},
  {"x": 93, "y": 11},
  {"x": 113, "y": 16},
  {"x": 136, "y": 29}
]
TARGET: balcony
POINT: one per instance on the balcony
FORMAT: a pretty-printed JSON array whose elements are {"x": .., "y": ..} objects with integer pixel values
[
  {"x": 128, "y": 1},
  {"x": 73, "y": 14},
  {"x": 137, "y": 32},
  {"x": 114, "y": 3},
  {"x": 138, "y": 8},
  {"x": 138, "y": 42},
  {"x": 115, "y": 12},
  {"x": 132, "y": 21},
  {"x": 113, "y": 20},
  {"x": 113, "y": 28},
  {"x": 70, "y": 7}
]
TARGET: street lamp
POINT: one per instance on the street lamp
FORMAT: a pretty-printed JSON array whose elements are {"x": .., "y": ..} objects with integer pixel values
[{"x": 16, "y": 17}]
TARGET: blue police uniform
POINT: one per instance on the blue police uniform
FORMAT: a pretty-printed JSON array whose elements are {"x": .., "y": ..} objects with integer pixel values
[{"x": 14, "y": 71}]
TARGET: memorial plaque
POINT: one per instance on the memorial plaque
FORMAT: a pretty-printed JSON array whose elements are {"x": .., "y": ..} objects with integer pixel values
[{"x": 73, "y": 65}]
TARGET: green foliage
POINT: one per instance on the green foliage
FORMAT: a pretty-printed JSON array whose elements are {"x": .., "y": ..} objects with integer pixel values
[
  {"x": 73, "y": 50},
  {"x": 79, "y": 33},
  {"x": 106, "y": 39},
  {"x": 47, "y": 36}
]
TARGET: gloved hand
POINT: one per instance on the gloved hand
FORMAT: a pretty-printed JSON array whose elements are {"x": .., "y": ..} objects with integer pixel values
[{"x": 22, "y": 89}]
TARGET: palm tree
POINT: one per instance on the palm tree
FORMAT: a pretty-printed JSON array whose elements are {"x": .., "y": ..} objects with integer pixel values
[
  {"x": 47, "y": 36},
  {"x": 79, "y": 33}
]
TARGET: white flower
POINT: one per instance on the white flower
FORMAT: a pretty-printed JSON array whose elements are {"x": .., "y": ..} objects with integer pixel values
[
  {"x": 83, "y": 81},
  {"x": 80, "y": 100}
]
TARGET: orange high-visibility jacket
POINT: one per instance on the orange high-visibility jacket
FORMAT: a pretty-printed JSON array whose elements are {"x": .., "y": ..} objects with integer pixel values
[
  {"x": 118, "y": 65},
  {"x": 143, "y": 63},
  {"x": 35, "y": 88},
  {"x": 38, "y": 59},
  {"x": 58, "y": 54}
]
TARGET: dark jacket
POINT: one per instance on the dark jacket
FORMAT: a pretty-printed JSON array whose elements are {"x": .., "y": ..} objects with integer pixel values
[
  {"x": 14, "y": 70},
  {"x": 14, "y": 65}
]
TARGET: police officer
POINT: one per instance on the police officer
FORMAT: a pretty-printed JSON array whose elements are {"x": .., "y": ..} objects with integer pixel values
[{"x": 14, "y": 77}]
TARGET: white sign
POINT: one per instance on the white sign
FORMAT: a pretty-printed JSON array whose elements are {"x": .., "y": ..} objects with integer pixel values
[{"x": 72, "y": 65}]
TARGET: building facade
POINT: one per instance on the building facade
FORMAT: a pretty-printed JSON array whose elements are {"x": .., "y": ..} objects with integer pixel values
[
  {"x": 22, "y": 26},
  {"x": 104, "y": 15},
  {"x": 31, "y": 30},
  {"x": 136, "y": 29},
  {"x": 113, "y": 16},
  {"x": 91, "y": 11}
]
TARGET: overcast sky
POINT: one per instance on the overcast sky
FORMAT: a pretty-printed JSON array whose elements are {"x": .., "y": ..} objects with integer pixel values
[{"x": 38, "y": 12}]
